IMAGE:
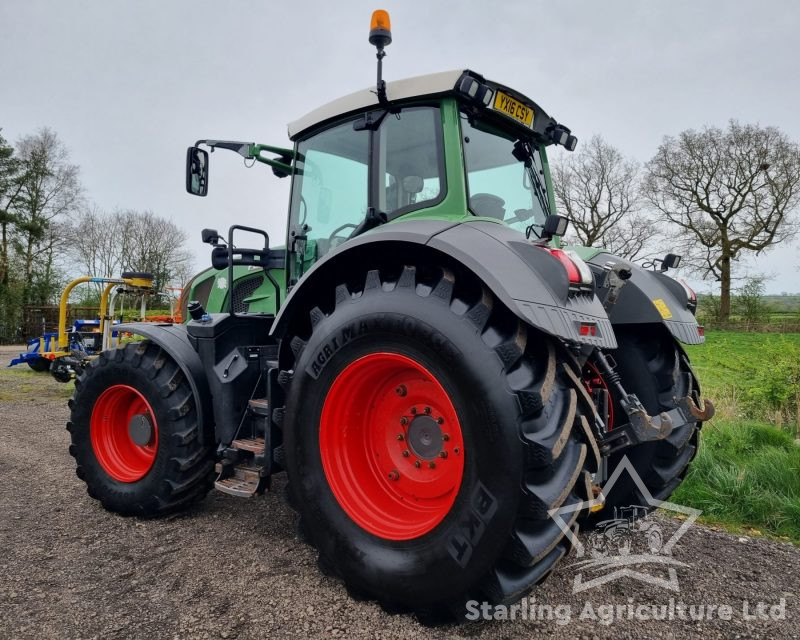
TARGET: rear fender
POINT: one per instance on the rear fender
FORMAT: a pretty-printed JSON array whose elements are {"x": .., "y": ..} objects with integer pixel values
[
  {"x": 651, "y": 297},
  {"x": 526, "y": 279}
]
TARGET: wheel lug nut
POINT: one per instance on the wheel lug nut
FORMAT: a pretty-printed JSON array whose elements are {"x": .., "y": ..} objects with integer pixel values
[
  {"x": 443, "y": 454},
  {"x": 440, "y": 420},
  {"x": 393, "y": 475},
  {"x": 400, "y": 436},
  {"x": 431, "y": 465},
  {"x": 428, "y": 410},
  {"x": 445, "y": 436},
  {"x": 413, "y": 411},
  {"x": 401, "y": 390},
  {"x": 417, "y": 464},
  {"x": 404, "y": 421},
  {"x": 406, "y": 453}
]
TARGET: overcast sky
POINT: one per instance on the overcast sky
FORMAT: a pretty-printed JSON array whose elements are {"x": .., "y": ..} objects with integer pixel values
[{"x": 128, "y": 85}]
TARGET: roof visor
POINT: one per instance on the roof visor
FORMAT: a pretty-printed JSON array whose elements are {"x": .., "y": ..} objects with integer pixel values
[{"x": 511, "y": 106}]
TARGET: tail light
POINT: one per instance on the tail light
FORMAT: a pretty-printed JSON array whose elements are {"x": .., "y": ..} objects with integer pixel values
[
  {"x": 578, "y": 271},
  {"x": 691, "y": 296}
]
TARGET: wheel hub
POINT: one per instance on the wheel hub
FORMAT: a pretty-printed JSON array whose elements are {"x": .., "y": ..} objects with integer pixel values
[
  {"x": 391, "y": 446},
  {"x": 140, "y": 429},
  {"x": 425, "y": 437},
  {"x": 124, "y": 433}
]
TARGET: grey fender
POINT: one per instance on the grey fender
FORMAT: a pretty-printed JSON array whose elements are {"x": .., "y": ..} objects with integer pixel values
[
  {"x": 526, "y": 279},
  {"x": 651, "y": 297},
  {"x": 174, "y": 339}
]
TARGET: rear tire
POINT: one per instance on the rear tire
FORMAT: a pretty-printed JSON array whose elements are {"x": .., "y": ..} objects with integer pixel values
[
  {"x": 169, "y": 471},
  {"x": 652, "y": 366},
  {"x": 521, "y": 422}
]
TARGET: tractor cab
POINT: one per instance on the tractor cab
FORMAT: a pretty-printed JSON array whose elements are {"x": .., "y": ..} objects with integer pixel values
[{"x": 450, "y": 146}]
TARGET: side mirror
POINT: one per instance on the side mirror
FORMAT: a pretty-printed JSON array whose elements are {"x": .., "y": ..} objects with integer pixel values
[
  {"x": 196, "y": 171},
  {"x": 670, "y": 261}
]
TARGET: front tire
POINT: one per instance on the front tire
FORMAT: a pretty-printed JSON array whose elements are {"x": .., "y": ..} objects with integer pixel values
[
  {"x": 418, "y": 368},
  {"x": 135, "y": 434}
]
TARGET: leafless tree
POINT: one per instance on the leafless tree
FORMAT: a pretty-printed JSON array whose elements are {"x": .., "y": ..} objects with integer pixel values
[
  {"x": 106, "y": 244},
  {"x": 598, "y": 190},
  {"x": 98, "y": 242},
  {"x": 156, "y": 245},
  {"x": 10, "y": 186},
  {"x": 727, "y": 193},
  {"x": 49, "y": 189}
]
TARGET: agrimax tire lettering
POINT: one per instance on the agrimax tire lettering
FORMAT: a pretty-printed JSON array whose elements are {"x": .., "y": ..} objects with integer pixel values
[
  {"x": 345, "y": 335},
  {"x": 396, "y": 324},
  {"x": 471, "y": 526}
]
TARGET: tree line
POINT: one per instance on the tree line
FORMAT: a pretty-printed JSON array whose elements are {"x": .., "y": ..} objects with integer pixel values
[
  {"x": 50, "y": 232},
  {"x": 712, "y": 195}
]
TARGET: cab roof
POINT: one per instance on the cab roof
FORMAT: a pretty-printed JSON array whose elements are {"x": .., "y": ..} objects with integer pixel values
[
  {"x": 418, "y": 86},
  {"x": 471, "y": 87}
]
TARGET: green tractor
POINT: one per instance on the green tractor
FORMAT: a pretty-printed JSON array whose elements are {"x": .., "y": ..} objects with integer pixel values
[{"x": 430, "y": 368}]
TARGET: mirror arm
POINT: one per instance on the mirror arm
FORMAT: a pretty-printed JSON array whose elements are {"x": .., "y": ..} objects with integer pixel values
[
  {"x": 242, "y": 148},
  {"x": 282, "y": 166}
]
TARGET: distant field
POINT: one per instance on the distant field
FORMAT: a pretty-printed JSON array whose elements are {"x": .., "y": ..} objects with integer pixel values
[
  {"x": 746, "y": 475},
  {"x": 729, "y": 359}
]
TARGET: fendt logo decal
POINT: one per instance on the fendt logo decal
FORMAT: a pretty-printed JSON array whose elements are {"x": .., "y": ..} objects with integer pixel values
[{"x": 471, "y": 526}]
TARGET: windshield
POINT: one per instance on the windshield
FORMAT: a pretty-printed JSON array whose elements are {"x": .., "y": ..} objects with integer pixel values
[{"x": 505, "y": 178}]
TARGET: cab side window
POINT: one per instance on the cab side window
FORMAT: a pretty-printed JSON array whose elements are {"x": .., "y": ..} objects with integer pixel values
[
  {"x": 410, "y": 161},
  {"x": 330, "y": 191}
]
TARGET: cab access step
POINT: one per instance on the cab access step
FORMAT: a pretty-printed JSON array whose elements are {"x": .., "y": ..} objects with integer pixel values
[{"x": 247, "y": 464}]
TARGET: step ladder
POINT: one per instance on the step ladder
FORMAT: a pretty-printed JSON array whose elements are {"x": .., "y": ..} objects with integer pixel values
[{"x": 247, "y": 464}]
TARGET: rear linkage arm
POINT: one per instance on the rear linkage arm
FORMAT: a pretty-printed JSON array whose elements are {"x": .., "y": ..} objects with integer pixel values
[{"x": 641, "y": 427}]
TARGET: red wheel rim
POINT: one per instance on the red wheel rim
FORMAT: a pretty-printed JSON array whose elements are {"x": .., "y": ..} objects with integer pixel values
[
  {"x": 391, "y": 446},
  {"x": 110, "y": 429},
  {"x": 592, "y": 379}
]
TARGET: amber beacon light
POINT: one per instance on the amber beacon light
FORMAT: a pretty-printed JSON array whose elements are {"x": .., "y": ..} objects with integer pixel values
[{"x": 380, "y": 29}]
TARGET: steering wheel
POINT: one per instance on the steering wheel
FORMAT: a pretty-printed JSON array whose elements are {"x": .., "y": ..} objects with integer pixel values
[
  {"x": 336, "y": 233},
  {"x": 520, "y": 215}
]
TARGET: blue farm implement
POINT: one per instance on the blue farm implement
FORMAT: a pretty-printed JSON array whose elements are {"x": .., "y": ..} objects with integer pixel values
[{"x": 65, "y": 352}]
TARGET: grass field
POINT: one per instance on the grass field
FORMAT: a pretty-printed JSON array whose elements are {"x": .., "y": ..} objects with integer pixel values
[{"x": 746, "y": 475}]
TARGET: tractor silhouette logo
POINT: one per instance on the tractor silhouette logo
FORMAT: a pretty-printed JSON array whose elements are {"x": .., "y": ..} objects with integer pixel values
[
  {"x": 621, "y": 534},
  {"x": 631, "y": 543}
]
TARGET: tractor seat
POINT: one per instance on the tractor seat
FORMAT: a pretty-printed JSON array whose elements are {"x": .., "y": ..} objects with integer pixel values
[{"x": 488, "y": 206}]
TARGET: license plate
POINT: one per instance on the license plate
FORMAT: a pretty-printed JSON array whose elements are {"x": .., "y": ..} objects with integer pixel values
[{"x": 504, "y": 103}]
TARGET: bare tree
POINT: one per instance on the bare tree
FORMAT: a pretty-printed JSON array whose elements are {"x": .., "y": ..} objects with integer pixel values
[
  {"x": 98, "y": 242},
  {"x": 10, "y": 187},
  {"x": 156, "y": 245},
  {"x": 49, "y": 188},
  {"x": 727, "y": 193},
  {"x": 106, "y": 244},
  {"x": 597, "y": 189}
]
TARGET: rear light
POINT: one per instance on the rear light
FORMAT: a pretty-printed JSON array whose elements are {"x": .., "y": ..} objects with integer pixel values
[
  {"x": 701, "y": 330},
  {"x": 690, "y": 294},
  {"x": 587, "y": 329},
  {"x": 572, "y": 270},
  {"x": 578, "y": 271}
]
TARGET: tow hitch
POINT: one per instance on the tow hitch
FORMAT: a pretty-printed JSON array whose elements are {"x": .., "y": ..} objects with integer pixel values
[{"x": 641, "y": 426}]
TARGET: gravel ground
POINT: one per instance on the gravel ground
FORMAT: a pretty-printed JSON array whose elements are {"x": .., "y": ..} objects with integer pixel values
[{"x": 232, "y": 568}]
